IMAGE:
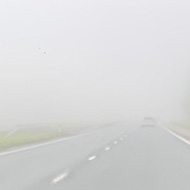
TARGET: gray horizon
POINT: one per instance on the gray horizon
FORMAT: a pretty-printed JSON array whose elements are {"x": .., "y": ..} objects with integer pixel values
[{"x": 93, "y": 61}]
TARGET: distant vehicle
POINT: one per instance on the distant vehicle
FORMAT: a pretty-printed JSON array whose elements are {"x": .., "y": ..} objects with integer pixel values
[{"x": 148, "y": 122}]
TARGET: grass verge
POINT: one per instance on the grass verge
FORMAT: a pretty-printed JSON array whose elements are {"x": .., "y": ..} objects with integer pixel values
[{"x": 29, "y": 135}]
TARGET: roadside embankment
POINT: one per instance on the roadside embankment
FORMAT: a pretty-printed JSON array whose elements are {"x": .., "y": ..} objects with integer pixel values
[
  {"x": 182, "y": 130},
  {"x": 24, "y": 135}
]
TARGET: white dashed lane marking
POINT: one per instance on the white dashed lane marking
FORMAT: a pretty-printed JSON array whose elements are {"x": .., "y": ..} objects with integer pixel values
[
  {"x": 115, "y": 142},
  {"x": 63, "y": 175},
  {"x": 60, "y": 178},
  {"x": 92, "y": 158},
  {"x": 107, "y": 148}
]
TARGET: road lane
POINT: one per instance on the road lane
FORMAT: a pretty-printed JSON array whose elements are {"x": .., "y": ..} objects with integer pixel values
[
  {"x": 150, "y": 158},
  {"x": 21, "y": 170}
]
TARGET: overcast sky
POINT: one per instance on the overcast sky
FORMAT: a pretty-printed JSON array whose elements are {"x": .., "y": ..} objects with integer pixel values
[{"x": 92, "y": 60}]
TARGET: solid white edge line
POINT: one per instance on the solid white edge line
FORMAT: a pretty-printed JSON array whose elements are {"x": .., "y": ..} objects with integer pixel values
[
  {"x": 43, "y": 144},
  {"x": 4, "y": 153},
  {"x": 178, "y": 136}
]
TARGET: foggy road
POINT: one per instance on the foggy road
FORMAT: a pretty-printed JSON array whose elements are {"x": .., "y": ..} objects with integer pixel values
[
  {"x": 113, "y": 158},
  {"x": 21, "y": 169},
  {"x": 71, "y": 66}
]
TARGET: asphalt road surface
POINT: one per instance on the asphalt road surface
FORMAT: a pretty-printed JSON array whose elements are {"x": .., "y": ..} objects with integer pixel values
[{"x": 117, "y": 157}]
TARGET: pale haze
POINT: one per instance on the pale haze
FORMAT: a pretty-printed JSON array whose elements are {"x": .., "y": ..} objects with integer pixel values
[{"x": 92, "y": 61}]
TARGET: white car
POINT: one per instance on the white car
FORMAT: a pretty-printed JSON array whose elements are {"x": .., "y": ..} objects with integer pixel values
[{"x": 148, "y": 122}]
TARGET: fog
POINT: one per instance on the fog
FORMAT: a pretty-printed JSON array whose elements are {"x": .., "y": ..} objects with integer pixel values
[{"x": 93, "y": 61}]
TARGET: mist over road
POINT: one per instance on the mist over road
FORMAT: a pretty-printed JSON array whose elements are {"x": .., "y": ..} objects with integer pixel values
[
  {"x": 93, "y": 61},
  {"x": 24, "y": 168},
  {"x": 79, "y": 64},
  {"x": 117, "y": 157}
]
